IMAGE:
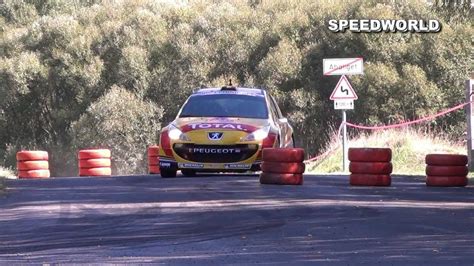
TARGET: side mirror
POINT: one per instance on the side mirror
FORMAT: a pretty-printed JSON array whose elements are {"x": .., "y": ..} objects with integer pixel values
[{"x": 283, "y": 120}]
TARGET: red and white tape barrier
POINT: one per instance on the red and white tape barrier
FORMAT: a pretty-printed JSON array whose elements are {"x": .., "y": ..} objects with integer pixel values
[{"x": 420, "y": 120}]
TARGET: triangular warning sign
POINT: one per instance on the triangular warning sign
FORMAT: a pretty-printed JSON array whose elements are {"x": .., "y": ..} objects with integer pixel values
[{"x": 343, "y": 90}]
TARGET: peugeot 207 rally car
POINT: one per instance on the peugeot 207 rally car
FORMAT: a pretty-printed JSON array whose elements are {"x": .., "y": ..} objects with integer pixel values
[{"x": 222, "y": 130}]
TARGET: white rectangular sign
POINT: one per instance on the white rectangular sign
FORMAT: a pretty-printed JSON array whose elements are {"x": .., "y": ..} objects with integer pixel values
[
  {"x": 344, "y": 104},
  {"x": 343, "y": 66}
]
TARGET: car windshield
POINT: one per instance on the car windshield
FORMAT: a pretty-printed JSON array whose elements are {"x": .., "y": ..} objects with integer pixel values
[{"x": 223, "y": 105}]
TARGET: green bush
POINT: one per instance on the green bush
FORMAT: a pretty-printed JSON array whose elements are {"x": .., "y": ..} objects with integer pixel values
[
  {"x": 122, "y": 122},
  {"x": 57, "y": 58}
]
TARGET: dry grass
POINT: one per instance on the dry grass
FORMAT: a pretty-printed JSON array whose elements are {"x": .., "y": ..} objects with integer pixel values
[
  {"x": 5, "y": 173},
  {"x": 409, "y": 148}
]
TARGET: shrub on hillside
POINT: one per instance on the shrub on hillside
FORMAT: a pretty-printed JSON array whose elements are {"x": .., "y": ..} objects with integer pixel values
[{"x": 122, "y": 122}]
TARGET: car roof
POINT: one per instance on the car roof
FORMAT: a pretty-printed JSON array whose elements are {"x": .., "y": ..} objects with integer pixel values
[{"x": 230, "y": 90}]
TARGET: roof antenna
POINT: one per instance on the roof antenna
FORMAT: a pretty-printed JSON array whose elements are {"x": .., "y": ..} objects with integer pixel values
[{"x": 230, "y": 82}]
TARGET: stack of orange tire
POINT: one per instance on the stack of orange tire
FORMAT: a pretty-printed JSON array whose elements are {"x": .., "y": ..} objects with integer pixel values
[
  {"x": 95, "y": 162},
  {"x": 32, "y": 164},
  {"x": 370, "y": 166},
  {"x": 282, "y": 166},
  {"x": 446, "y": 170},
  {"x": 153, "y": 160}
]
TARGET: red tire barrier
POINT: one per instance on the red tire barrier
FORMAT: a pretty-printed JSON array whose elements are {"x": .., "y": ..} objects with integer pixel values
[
  {"x": 370, "y": 154},
  {"x": 283, "y": 168},
  {"x": 370, "y": 180},
  {"x": 288, "y": 155},
  {"x": 446, "y": 181},
  {"x": 153, "y": 160},
  {"x": 32, "y": 156},
  {"x": 281, "y": 179},
  {"x": 94, "y": 154},
  {"x": 374, "y": 168},
  {"x": 32, "y": 165},
  {"x": 446, "y": 159},
  {"x": 434, "y": 170},
  {"x": 94, "y": 163},
  {"x": 100, "y": 171},
  {"x": 153, "y": 169},
  {"x": 153, "y": 151},
  {"x": 34, "y": 174}
]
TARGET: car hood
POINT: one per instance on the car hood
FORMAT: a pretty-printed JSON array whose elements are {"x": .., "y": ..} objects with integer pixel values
[{"x": 188, "y": 124}]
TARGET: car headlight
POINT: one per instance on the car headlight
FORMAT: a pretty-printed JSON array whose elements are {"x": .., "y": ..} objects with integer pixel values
[
  {"x": 258, "y": 134},
  {"x": 175, "y": 134}
]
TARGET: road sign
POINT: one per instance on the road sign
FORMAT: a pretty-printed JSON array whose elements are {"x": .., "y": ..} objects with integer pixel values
[
  {"x": 343, "y": 104},
  {"x": 343, "y": 66},
  {"x": 343, "y": 90}
]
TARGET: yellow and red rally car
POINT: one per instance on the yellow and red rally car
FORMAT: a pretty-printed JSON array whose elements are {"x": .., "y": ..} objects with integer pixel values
[{"x": 223, "y": 130}]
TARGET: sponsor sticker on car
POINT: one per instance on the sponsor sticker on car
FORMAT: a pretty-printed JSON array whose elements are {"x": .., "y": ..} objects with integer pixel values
[
  {"x": 237, "y": 166},
  {"x": 190, "y": 165}
]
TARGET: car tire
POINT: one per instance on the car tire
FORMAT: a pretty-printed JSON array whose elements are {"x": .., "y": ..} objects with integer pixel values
[
  {"x": 281, "y": 179},
  {"x": 287, "y": 155},
  {"x": 32, "y": 156},
  {"x": 446, "y": 181},
  {"x": 32, "y": 165},
  {"x": 34, "y": 174},
  {"x": 370, "y": 154},
  {"x": 453, "y": 170},
  {"x": 188, "y": 172},
  {"x": 98, "y": 171},
  {"x": 153, "y": 169},
  {"x": 94, "y": 163},
  {"x": 446, "y": 159},
  {"x": 167, "y": 173},
  {"x": 94, "y": 154},
  {"x": 283, "y": 168},
  {"x": 374, "y": 168},
  {"x": 369, "y": 180}
]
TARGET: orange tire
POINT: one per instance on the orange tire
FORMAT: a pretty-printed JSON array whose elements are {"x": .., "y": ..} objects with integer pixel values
[
  {"x": 153, "y": 169},
  {"x": 94, "y": 154},
  {"x": 94, "y": 163},
  {"x": 34, "y": 174},
  {"x": 374, "y": 168},
  {"x": 370, "y": 154},
  {"x": 369, "y": 180},
  {"x": 287, "y": 155},
  {"x": 153, "y": 160},
  {"x": 281, "y": 179},
  {"x": 446, "y": 159},
  {"x": 32, "y": 165},
  {"x": 446, "y": 181},
  {"x": 99, "y": 171},
  {"x": 283, "y": 168},
  {"x": 433, "y": 170},
  {"x": 153, "y": 151},
  {"x": 32, "y": 156}
]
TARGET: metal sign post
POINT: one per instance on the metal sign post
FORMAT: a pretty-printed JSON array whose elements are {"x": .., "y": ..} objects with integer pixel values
[
  {"x": 343, "y": 97},
  {"x": 343, "y": 94},
  {"x": 345, "y": 147},
  {"x": 470, "y": 123}
]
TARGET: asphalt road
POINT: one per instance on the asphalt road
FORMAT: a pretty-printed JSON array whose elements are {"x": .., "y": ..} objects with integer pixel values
[{"x": 232, "y": 219}]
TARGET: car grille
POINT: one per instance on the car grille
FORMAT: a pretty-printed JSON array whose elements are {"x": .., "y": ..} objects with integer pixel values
[{"x": 215, "y": 153}]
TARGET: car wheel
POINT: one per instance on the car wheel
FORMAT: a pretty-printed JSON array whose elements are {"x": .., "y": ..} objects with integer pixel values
[
  {"x": 188, "y": 172},
  {"x": 167, "y": 173}
]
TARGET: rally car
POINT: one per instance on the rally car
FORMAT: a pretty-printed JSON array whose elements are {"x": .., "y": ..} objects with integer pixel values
[{"x": 223, "y": 130}]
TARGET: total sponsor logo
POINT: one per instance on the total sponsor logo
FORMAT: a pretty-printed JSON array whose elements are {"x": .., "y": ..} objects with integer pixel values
[{"x": 223, "y": 126}]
